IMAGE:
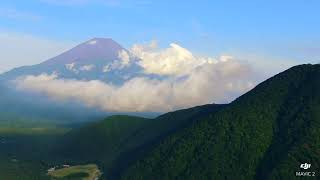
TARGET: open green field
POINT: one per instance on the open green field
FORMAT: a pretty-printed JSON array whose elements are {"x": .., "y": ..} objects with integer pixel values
[{"x": 84, "y": 172}]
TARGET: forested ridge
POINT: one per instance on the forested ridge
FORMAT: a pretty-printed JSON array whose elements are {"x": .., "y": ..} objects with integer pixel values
[{"x": 264, "y": 134}]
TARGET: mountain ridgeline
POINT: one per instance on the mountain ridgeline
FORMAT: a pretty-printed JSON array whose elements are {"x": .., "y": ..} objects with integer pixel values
[{"x": 264, "y": 134}]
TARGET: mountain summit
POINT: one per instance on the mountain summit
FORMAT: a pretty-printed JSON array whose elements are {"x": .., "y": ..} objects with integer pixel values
[
  {"x": 94, "y": 49},
  {"x": 95, "y": 59}
]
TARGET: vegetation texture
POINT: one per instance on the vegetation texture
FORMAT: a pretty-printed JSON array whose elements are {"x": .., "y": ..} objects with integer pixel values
[{"x": 265, "y": 134}]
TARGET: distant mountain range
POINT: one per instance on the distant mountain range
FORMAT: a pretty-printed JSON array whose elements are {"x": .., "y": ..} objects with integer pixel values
[{"x": 265, "y": 134}]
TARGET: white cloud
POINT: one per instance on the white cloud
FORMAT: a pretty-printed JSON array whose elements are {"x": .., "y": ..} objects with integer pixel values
[
  {"x": 124, "y": 61},
  {"x": 93, "y": 42},
  {"x": 72, "y": 67},
  {"x": 124, "y": 57},
  {"x": 19, "y": 49},
  {"x": 226, "y": 58},
  {"x": 107, "y": 3},
  {"x": 106, "y": 68},
  {"x": 216, "y": 82},
  {"x": 88, "y": 67},
  {"x": 66, "y": 2},
  {"x": 174, "y": 60}
]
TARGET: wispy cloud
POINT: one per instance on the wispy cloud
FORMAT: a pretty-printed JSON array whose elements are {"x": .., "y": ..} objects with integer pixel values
[
  {"x": 66, "y": 2},
  {"x": 13, "y": 13},
  {"x": 107, "y": 3}
]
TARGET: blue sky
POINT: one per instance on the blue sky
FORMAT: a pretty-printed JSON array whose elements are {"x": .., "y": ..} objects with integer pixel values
[{"x": 271, "y": 32}]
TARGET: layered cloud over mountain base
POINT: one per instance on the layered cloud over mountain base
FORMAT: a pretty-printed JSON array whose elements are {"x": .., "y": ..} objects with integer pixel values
[{"x": 186, "y": 81}]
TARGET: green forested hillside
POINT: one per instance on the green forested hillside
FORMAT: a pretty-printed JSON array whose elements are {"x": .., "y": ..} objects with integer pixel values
[
  {"x": 265, "y": 134},
  {"x": 100, "y": 139},
  {"x": 119, "y": 140}
]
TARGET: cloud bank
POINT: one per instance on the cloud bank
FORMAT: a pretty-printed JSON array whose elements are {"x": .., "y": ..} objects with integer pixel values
[{"x": 188, "y": 81}]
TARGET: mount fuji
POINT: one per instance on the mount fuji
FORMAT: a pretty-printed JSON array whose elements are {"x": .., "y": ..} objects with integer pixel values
[{"x": 96, "y": 59}]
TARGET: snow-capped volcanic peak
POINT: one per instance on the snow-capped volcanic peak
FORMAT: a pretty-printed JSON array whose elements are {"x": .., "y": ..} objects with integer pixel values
[
  {"x": 92, "y": 42},
  {"x": 95, "y": 59},
  {"x": 96, "y": 49}
]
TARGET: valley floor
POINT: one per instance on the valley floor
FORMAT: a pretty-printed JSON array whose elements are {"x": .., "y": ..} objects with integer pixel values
[{"x": 84, "y": 172}]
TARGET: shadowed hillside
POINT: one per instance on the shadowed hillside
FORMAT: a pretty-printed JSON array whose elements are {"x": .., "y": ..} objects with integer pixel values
[
  {"x": 119, "y": 140},
  {"x": 265, "y": 134}
]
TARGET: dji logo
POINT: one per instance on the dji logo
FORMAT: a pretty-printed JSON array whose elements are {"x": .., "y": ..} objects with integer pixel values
[{"x": 305, "y": 166}]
